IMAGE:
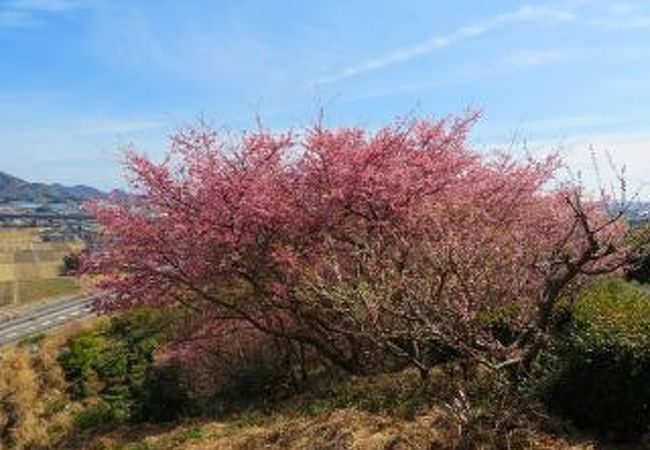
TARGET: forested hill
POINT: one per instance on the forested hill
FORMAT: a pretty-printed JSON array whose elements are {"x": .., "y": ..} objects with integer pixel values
[{"x": 17, "y": 189}]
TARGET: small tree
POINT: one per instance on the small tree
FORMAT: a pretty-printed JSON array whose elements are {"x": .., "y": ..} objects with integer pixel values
[
  {"x": 357, "y": 245},
  {"x": 71, "y": 264}
]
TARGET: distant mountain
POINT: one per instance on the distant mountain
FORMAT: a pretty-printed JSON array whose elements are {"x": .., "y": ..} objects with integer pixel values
[{"x": 16, "y": 189}]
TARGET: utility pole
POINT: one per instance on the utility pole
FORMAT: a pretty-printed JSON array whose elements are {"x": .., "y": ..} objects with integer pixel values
[{"x": 16, "y": 296}]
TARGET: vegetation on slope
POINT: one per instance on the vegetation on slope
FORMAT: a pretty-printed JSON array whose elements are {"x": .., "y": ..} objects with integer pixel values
[
  {"x": 598, "y": 370},
  {"x": 109, "y": 386},
  {"x": 346, "y": 289}
]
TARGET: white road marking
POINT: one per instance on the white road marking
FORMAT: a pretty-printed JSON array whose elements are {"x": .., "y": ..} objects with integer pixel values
[{"x": 41, "y": 320}]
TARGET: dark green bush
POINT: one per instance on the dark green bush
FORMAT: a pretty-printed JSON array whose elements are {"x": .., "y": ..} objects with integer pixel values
[
  {"x": 71, "y": 264},
  {"x": 639, "y": 269},
  {"x": 164, "y": 397},
  {"x": 80, "y": 361},
  {"x": 598, "y": 370},
  {"x": 114, "y": 367}
]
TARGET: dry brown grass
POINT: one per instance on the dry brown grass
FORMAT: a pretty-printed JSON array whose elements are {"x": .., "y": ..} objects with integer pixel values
[
  {"x": 359, "y": 415},
  {"x": 343, "y": 429},
  {"x": 35, "y": 410}
]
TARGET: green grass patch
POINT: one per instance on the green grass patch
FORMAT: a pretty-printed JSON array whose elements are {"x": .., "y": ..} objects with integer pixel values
[{"x": 36, "y": 290}]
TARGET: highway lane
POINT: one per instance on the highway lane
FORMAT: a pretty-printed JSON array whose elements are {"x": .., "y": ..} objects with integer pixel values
[{"x": 44, "y": 318}]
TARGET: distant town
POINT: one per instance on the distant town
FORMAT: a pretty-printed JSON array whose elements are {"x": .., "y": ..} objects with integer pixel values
[
  {"x": 61, "y": 222},
  {"x": 57, "y": 210},
  {"x": 638, "y": 212}
]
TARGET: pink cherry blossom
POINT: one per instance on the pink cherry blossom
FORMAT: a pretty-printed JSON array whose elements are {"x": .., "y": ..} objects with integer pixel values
[{"x": 355, "y": 243}]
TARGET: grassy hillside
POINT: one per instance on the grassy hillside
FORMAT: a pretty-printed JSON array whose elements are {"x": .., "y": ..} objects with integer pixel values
[
  {"x": 386, "y": 412},
  {"x": 87, "y": 387},
  {"x": 342, "y": 429}
]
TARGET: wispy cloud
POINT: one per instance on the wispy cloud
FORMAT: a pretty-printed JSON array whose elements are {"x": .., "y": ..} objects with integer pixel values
[
  {"x": 633, "y": 84},
  {"x": 512, "y": 61},
  {"x": 537, "y": 57},
  {"x": 629, "y": 149},
  {"x": 621, "y": 16},
  {"x": 404, "y": 54},
  {"x": 75, "y": 148},
  {"x": 562, "y": 124},
  {"x": 24, "y": 13},
  {"x": 622, "y": 23},
  {"x": 117, "y": 126}
]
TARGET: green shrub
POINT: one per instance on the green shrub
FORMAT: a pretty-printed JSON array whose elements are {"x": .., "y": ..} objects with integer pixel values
[
  {"x": 71, "y": 264},
  {"x": 113, "y": 365},
  {"x": 80, "y": 360},
  {"x": 164, "y": 397},
  {"x": 258, "y": 381},
  {"x": 598, "y": 370},
  {"x": 99, "y": 415}
]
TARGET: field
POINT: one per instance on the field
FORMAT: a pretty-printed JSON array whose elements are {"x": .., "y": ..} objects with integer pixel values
[{"x": 30, "y": 269}]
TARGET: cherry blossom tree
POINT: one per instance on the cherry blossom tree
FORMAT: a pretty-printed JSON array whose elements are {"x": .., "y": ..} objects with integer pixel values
[{"x": 356, "y": 245}]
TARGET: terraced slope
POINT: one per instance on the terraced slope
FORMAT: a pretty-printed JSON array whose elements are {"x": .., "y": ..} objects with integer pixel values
[{"x": 30, "y": 268}]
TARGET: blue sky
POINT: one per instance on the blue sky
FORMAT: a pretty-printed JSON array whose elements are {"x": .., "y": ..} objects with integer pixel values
[{"x": 80, "y": 79}]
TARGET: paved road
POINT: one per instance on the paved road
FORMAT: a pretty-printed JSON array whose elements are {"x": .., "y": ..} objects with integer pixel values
[{"x": 44, "y": 318}]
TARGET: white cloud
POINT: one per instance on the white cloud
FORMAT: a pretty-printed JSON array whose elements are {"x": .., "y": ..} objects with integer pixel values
[
  {"x": 621, "y": 23},
  {"x": 562, "y": 124},
  {"x": 523, "y": 58},
  {"x": 621, "y": 16},
  {"x": 631, "y": 84},
  {"x": 407, "y": 53},
  {"x": 630, "y": 150},
  {"x": 77, "y": 149},
  {"x": 511, "y": 61}
]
